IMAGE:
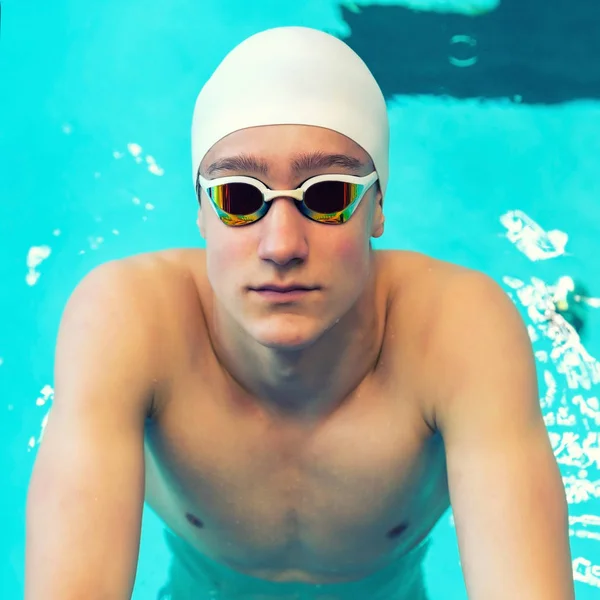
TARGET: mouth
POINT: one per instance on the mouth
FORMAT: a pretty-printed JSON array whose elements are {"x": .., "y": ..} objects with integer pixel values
[
  {"x": 281, "y": 289},
  {"x": 283, "y": 293}
]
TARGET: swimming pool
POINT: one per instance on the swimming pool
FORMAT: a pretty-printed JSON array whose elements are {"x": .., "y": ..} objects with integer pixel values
[{"x": 500, "y": 173}]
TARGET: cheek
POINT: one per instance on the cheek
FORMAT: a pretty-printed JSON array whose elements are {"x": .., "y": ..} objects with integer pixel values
[
  {"x": 226, "y": 254},
  {"x": 351, "y": 250},
  {"x": 348, "y": 260}
]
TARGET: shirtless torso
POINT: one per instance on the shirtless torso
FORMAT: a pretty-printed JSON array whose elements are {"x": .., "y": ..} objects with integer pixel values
[{"x": 278, "y": 498}]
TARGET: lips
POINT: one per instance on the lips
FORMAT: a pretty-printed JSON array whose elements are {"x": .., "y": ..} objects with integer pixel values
[
  {"x": 283, "y": 289},
  {"x": 283, "y": 294}
]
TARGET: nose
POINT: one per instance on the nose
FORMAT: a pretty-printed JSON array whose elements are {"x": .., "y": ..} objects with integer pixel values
[{"x": 283, "y": 237}]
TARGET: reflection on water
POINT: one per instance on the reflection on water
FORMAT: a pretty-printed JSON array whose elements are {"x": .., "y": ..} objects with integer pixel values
[
  {"x": 531, "y": 51},
  {"x": 571, "y": 377}
]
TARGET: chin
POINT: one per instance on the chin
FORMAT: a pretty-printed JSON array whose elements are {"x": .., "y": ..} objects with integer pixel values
[{"x": 286, "y": 332}]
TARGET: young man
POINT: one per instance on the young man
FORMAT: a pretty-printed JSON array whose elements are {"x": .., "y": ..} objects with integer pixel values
[{"x": 298, "y": 408}]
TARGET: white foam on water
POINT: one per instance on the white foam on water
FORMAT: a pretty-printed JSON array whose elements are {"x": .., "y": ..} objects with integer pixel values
[
  {"x": 95, "y": 242},
  {"x": 32, "y": 277},
  {"x": 586, "y": 572},
  {"x": 35, "y": 257},
  {"x": 569, "y": 405},
  {"x": 588, "y": 527},
  {"x": 580, "y": 371},
  {"x": 134, "y": 149},
  {"x": 46, "y": 395},
  {"x": 531, "y": 239},
  {"x": 156, "y": 170}
]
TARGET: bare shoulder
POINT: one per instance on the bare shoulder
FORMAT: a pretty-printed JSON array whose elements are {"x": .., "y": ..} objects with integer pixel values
[
  {"x": 435, "y": 289},
  {"x": 412, "y": 286},
  {"x": 419, "y": 267},
  {"x": 436, "y": 311},
  {"x": 156, "y": 293},
  {"x": 144, "y": 279},
  {"x": 416, "y": 285}
]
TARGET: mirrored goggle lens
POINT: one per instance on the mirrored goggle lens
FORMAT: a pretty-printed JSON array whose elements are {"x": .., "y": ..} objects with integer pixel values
[
  {"x": 237, "y": 198},
  {"x": 325, "y": 197},
  {"x": 328, "y": 197}
]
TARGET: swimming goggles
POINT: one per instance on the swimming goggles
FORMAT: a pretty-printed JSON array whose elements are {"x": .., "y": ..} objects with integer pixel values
[{"x": 241, "y": 200}]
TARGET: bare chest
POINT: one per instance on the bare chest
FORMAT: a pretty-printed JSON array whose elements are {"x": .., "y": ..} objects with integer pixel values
[{"x": 264, "y": 493}]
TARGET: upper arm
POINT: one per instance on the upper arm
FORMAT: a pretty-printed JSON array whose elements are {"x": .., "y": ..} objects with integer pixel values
[
  {"x": 86, "y": 493},
  {"x": 505, "y": 487}
]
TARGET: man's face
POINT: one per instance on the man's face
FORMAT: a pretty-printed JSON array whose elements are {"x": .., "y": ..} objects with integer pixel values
[{"x": 285, "y": 248}]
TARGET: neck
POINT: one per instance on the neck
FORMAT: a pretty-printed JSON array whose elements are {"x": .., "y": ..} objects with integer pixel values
[{"x": 310, "y": 382}]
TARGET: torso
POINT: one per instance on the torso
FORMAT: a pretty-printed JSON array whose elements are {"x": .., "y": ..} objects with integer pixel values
[{"x": 283, "y": 501}]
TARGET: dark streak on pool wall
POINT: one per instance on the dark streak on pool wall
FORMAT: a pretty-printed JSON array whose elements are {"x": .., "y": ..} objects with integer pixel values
[{"x": 530, "y": 51}]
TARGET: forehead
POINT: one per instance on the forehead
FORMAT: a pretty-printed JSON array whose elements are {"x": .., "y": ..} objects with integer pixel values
[{"x": 277, "y": 143}]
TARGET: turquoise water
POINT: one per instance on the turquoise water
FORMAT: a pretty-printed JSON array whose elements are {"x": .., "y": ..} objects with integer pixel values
[{"x": 95, "y": 107}]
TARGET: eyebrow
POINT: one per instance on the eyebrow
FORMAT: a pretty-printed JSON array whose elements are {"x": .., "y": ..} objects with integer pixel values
[
  {"x": 300, "y": 163},
  {"x": 321, "y": 160},
  {"x": 242, "y": 162}
]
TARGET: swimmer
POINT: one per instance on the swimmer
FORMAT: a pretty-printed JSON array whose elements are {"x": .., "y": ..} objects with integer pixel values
[{"x": 297, "y": 407}]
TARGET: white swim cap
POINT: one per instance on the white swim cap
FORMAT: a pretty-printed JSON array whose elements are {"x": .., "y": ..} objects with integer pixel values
[{"x": 293, "y": 76}]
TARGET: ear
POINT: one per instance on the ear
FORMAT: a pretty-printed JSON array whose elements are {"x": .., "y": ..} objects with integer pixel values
[{"x": 378, "y": 217}]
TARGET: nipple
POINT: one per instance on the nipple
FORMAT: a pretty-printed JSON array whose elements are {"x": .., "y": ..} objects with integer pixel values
[{"x": 193, "y": 520}]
